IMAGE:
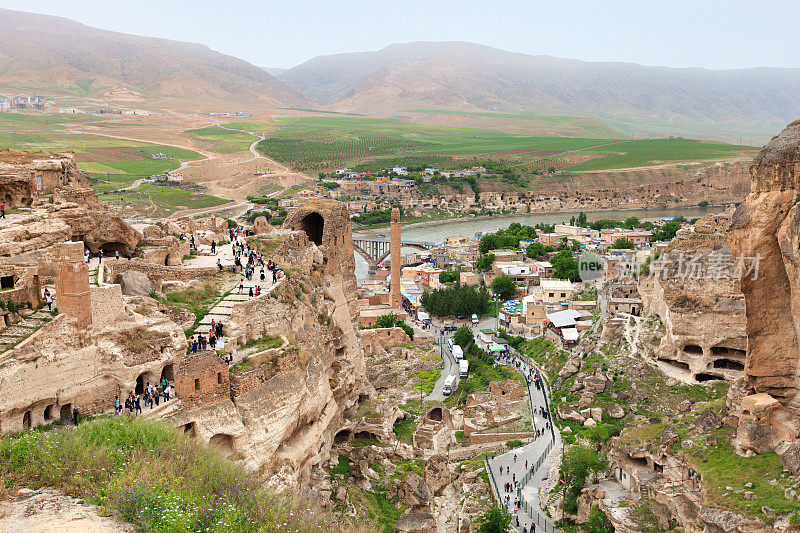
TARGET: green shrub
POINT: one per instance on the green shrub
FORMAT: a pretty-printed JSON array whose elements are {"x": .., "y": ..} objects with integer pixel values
[{"x": 153, "y": 477}]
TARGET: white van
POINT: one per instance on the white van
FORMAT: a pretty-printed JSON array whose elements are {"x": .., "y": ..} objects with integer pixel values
[
  {"x": 464, "y": 368},
  {"x": 450, "y": 343},
  {"x": 447, "y": 390},
  {"x": 458, "y": 353},
  {"x": 475, "y": 319}
]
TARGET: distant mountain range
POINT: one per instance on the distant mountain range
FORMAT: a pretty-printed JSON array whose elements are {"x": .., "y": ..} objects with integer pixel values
[
  {"x": 466, "y": 76},
  {"x": 56, "y": 55},
  {"x": 45, "y": 52}
]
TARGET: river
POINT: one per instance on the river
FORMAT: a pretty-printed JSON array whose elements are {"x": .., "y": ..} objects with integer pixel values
[{"x": 437, "y": 231}]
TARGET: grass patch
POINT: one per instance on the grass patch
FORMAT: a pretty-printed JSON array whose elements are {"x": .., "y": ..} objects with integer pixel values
[
  {"x": 427, "y": 379},
  {"x": 224, "y": 140},
  {"x": 153, "y": 477},
  {"x": 266, "y": 342}
]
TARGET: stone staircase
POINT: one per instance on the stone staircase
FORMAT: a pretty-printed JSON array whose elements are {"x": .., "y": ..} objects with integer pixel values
[{"x": 13, "y": 335}]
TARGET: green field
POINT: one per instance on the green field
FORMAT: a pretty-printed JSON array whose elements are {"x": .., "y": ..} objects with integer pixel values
[
  {"x": 167, "y": 198},
  {"x": 328, "y": 142},
  {"x": 223, "y": 140},
  {"x": 110, "y": 164}
]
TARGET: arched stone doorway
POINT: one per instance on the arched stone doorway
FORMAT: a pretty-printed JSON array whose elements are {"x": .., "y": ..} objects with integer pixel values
[
  {"x": 110, "y": 247},
  {"x": 167, "y": 373},
  {"x": 314, "y": 225},
  {"x": 140, "y": 383}
]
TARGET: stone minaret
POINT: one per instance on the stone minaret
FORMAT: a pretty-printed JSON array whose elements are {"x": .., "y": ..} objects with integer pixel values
[{"x": 395, "y": 298}]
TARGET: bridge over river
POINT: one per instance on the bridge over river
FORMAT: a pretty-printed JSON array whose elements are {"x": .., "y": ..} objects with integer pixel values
[{"x": 376, "y": 249}]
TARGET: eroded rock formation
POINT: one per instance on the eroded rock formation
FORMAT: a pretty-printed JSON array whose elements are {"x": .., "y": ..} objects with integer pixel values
[
  {"x": 767, "y": 226},
  {"x": 692, "y": 290},
  {"x": 285, "y": 408}
]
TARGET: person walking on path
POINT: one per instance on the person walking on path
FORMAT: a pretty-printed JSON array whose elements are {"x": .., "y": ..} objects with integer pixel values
[
  {"x": 213, "y": 247},
  {"x": 2, "y": 210}
]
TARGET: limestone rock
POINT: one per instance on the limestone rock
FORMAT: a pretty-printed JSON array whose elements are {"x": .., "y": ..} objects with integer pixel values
[
  {"x": 414, "y": 492},
  {"x": 767, "y": 224},
  {"x": 416, "y": 522},
  {"x": 135, "y": 283},
  {"x": 616, "y": 411},
  {"x": 669, "y": 436},
  {"x": 590, "y": 423},
  {"x": 597, "y": 414},
  {"x": 437, "y": 473},
  {"x": 595, "y": 384},
  {"x": 566, "y": 412},
  {"x": 570, "y": 367},
  {"x": 685, "y": 406},
  {"x": 791, "y": 459},
  {"x": 707, "y": 421}
]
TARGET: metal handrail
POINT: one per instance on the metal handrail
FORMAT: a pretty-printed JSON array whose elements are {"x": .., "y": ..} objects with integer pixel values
[{"x": 541, "y": 520}]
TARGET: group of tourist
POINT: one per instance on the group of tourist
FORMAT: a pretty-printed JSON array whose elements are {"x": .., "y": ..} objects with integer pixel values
[
  {"x": 533, "y": 379},
  {"x": 201, "y": 342},
  {"x": 100, "y": 254},
  {"x": 150, "y": 396}
]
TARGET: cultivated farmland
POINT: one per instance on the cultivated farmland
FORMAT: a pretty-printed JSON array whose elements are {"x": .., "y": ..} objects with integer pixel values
[{"x": 323, "y": 143}]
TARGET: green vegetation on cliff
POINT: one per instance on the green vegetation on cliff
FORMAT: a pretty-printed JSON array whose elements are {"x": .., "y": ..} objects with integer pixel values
[{"x": 152, "y": 476}]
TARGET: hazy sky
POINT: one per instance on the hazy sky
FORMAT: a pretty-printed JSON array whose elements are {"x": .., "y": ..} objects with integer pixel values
[{"x": 676, "y": 33}]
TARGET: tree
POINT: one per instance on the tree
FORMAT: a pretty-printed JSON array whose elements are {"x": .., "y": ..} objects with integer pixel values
[
  {"x": 564, "y": 266},
  {"x": 666, "y": 232},
  {"x": 495, "y": 520},
  {"x": 463, "y": 337},
  {"x": 579, "y": 463},
  {"x": 394, "y": 321},
  {"x": 504, "y": 286},
  {"x": 485, "y": 262},
  {"x": 598, "y": 522},
  {"x": 581, "y": 220},
  {"x": 631, "y": 222},
  {"x": 538, "y": 250},
  {"x": 623, "y": 244},
  {"x": 450, "y": 276}
]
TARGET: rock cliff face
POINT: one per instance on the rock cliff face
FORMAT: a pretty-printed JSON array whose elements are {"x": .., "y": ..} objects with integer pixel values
[
  {"x": 702, "y": 311},
  {"x": 767, "y": 226},
  {"x": 287, "y": 404}
]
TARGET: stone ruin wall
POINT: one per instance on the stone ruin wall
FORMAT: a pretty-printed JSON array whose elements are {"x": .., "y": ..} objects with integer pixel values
[
  {"x": 26, "y": 177},
  {"x": 201, "y": 378}
]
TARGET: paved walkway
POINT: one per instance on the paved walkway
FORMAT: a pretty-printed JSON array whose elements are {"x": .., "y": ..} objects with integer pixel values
[{"x": 516, "y": 464}]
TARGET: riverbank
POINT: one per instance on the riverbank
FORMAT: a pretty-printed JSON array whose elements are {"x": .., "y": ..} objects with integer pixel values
[{"x": 561, "y": 216}]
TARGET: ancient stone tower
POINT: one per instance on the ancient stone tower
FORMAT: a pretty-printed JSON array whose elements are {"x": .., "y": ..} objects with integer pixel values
[
  {"x": 65, "y": 263},
  {"x": 395, "y": 298}
]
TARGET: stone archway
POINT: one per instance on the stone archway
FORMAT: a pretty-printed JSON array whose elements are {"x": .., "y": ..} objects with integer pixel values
[
  {"x": 110, "y": 247},
  {"x": 435, "y": 414},
  {"x": 313, "y": 224}
]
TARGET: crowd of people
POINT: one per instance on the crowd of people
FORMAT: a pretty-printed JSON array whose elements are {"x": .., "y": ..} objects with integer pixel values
[
  {"x": 533, "y": 379},
  {"x": 150, "y": 396}
]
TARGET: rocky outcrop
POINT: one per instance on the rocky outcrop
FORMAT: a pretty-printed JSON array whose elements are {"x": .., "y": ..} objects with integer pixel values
[
  {"x": 691, "y": 288},
  {"x": 63, "y": 365},
  {"x": 24, "y": 177},
  {"x": 767, "y": 226},
  {"x": 287, "y": 406}
]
